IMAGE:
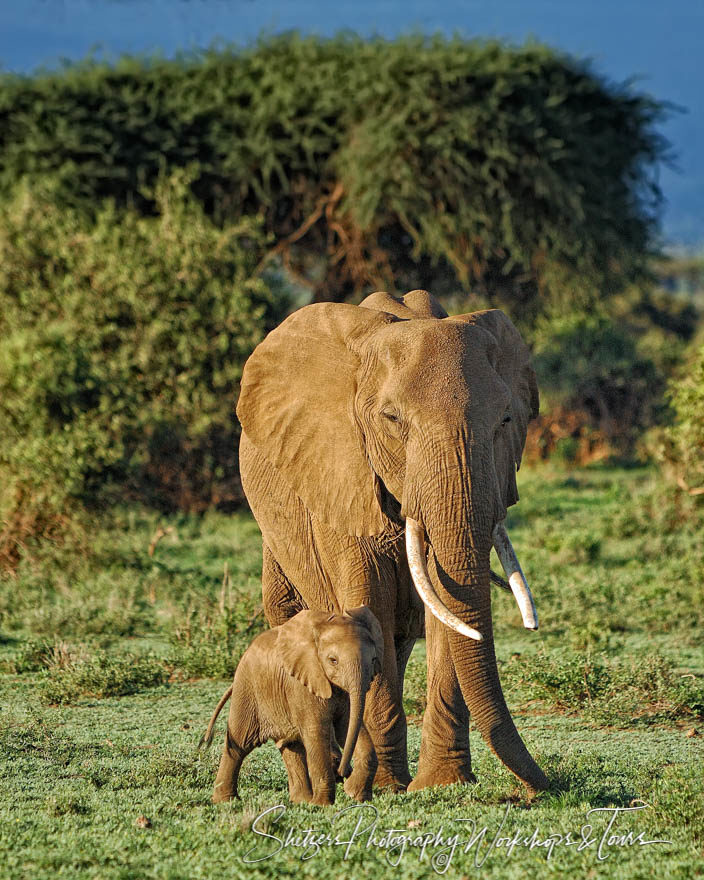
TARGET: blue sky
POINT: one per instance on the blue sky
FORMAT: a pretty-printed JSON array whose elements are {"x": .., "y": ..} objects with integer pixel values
[{"x": 662, "y": 44}]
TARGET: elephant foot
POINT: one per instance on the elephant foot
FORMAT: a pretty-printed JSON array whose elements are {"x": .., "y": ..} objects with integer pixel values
[
  {"x": 323, "y": 799},
  {"x": 534, "y": 790},
  {"x": 358, "y": 789},
  {"x": 220, "y": 797},
  {"x": 442, "y": 776},
  {"x": 396, "y": 782}
]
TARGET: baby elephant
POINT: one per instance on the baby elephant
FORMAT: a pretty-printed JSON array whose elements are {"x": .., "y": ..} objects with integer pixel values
[{"x": 304, "y": 684}]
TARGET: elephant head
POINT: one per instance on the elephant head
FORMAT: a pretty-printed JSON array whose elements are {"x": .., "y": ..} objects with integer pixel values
[
  {"x": 345, "y": 650},
  {"x": 394, "y": 414}
]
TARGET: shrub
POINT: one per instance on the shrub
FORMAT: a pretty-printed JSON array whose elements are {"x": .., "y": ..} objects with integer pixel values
[
  {"x": 32, "y": 656},
  {"x": 598, "y": 391},
  {"x": 209, "y": 641},
  {"x": 100, "y": 675},
  {"x": 418, "y": 161},
  {"x": 681, "y": 445},
  {"x": 632, "y": 690},
  {"x": 122, "y": 340}
]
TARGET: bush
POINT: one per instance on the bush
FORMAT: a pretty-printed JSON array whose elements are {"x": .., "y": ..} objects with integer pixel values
[
  {"x": 635, "y": 690},
  {"x": 32, "y": 656},
  {"x": 208, "y": 642},
  {"x": 598, "y": 391},
  {"x": 99, "y": 675},
  {"x": 418, "y": 162},
  {"x": 122, "y": 341},
  {"x": 681, "y": 445}
]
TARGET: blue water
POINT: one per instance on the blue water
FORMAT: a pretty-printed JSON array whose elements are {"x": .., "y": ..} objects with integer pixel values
[{"x": 662, "y": 43}]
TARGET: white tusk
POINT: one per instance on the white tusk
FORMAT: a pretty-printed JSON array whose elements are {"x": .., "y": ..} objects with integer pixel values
[
  {"x": 516, "y": 578},
  {"x": 415, "y": 551}
]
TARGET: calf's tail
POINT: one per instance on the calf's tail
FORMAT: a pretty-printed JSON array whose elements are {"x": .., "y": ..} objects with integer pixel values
[{"x": 207, "y": 737}]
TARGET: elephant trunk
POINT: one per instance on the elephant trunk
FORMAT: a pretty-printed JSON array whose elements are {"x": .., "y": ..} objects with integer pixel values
[
  {"x": 479, "y": 681},
  {"x": 460, "y": 531},
  {"x": 357, "y": 692}
]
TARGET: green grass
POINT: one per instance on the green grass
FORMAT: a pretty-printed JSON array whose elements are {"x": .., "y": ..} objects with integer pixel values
[{"x": 112, "y": 659}]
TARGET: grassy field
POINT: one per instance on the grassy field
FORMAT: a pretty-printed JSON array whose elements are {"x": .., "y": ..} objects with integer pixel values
[{"x": 113, "y": 658}]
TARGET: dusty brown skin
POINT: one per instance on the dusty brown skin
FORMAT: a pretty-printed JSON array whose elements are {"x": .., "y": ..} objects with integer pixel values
[
  {"x": 355, "y": 418},
  {"x": 303, "y": 684}
]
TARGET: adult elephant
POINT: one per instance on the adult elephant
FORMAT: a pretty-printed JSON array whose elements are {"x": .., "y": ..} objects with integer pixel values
[{"x": 368, "y": 430}]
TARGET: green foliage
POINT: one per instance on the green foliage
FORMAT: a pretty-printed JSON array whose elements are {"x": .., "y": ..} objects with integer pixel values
[
  {"x": 64, "y": 802},
  {"x": 122, "y": 344},
  {"x": 208, "y": 642},
  {"x": 681, "y": 446},
  {"x": 98, "y": 674},
  {"x": 571, "y": 679},
  {"x": 419, "y": 161},
  {"x": 621, "y": 691},
  {"x": 415, "y": 684},
  {"x": 586, "y": 362},
  {"x": 32, "y": 656},
  {"x": 613, "y": 567}
]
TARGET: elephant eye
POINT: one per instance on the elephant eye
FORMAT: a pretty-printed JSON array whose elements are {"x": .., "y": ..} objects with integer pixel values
[
  {"x": 333, "y": 660},
  {"x": 506, "y": 419},
  {"x": 391, "y": 416}
]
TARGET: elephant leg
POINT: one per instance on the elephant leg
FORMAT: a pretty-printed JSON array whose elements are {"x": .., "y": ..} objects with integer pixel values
[
  {"x": 385, "y": 721},
  {"x": 336, "y": 753},
  {"x": 358, "y": 784},
  {"x": 404, "y": 647},
  {"x": 280, "y": 599},
  {"x": 229, "y": 770},
  {"x": 241, "y": 737},
  {"x": 444, "y": 751},
  {"x": 319, "y": 763},
  {"x": 299, "y": 788}
]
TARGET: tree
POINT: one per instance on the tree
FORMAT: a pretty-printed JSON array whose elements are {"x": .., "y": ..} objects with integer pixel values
[{"x": 414, "y": 162}]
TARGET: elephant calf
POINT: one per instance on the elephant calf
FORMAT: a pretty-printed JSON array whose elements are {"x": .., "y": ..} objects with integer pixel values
[{"x": 304, "y": 685}]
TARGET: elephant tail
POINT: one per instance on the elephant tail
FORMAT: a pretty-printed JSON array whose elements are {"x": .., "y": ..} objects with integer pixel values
[{"x": 207, "y": 737}]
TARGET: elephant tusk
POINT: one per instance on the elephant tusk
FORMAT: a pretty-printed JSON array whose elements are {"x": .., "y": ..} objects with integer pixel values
[
  {"x": 415, "y": 551},
  {"x": 516, "y": 578}
]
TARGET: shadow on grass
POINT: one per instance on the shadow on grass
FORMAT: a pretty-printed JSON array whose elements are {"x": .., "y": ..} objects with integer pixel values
[
  {"x": 590, "y": 780},
  {"x": 8, "y": 640},
  {"x": 103, "y": 764}
]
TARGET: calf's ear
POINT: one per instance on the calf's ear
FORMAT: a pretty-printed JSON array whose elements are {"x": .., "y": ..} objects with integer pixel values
[{"x": 296, "y": 645}]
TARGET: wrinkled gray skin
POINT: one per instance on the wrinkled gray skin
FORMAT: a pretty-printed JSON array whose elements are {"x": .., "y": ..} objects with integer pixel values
[
  {"x": 303, "y": 684},
  {"x": 354, "y": 418}
]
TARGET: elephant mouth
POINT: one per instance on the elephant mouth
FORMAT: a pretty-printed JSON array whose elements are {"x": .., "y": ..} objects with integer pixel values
[{"x": 517, "y": 583}]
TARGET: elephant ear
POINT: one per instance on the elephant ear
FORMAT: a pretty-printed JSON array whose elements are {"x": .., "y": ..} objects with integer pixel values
[
  {"x": 368, "y": 619},
  {"x": 511, "y": 360},
  {"x": 295, "y": 406},
  {"x": 298, "y": 652}
]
